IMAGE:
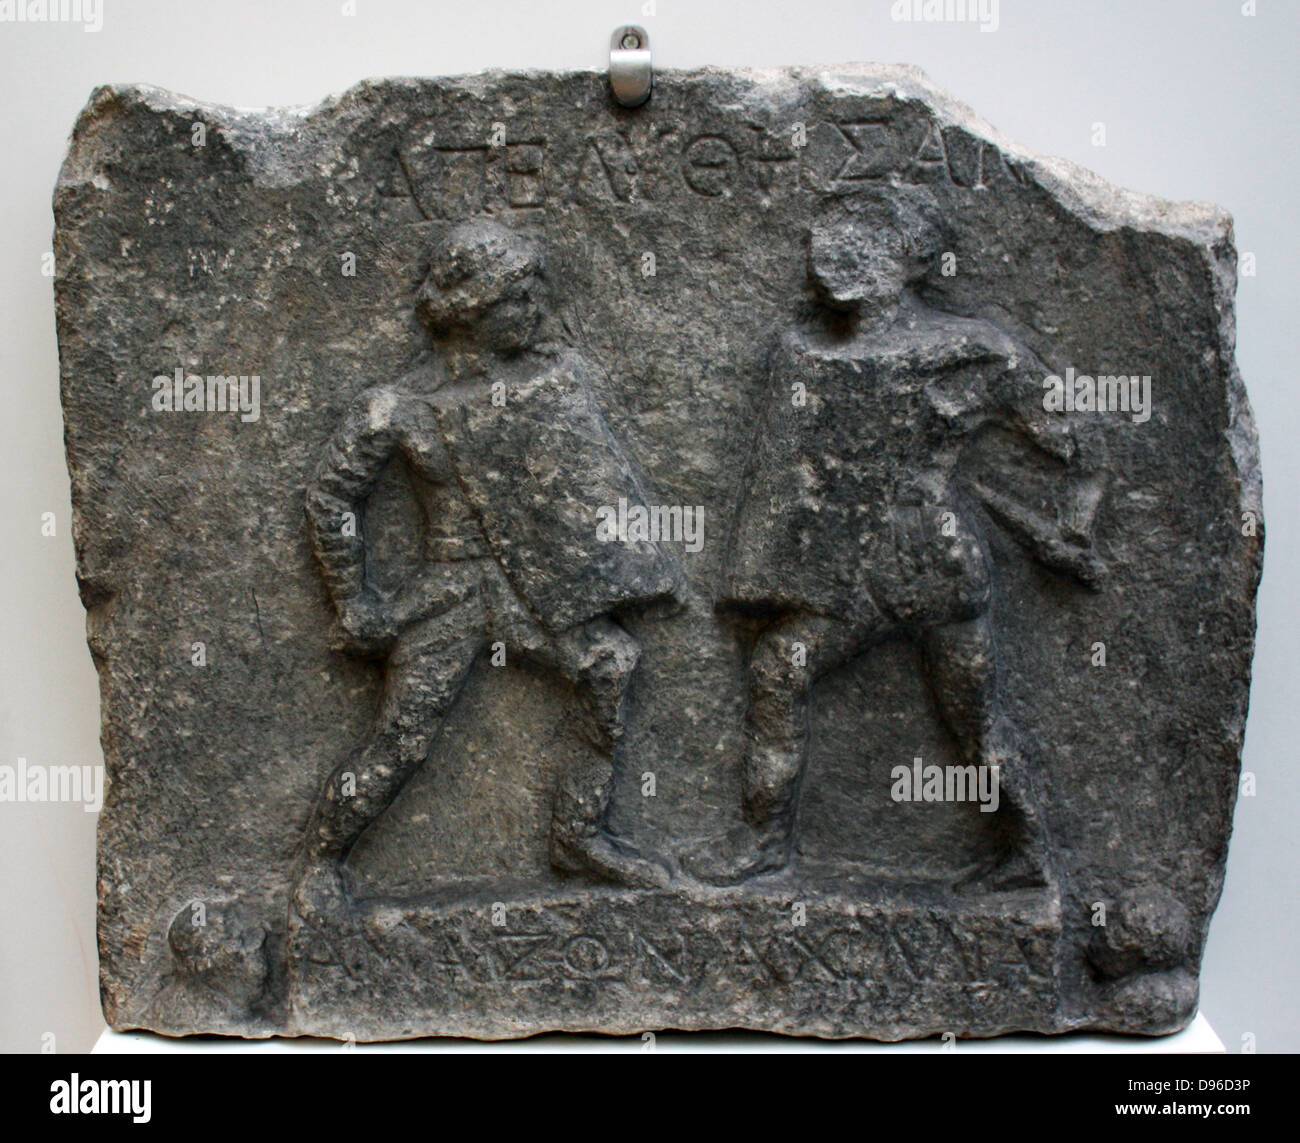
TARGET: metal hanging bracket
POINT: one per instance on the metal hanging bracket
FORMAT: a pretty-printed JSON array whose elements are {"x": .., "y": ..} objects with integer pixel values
[{"x": 630, "y": 74}]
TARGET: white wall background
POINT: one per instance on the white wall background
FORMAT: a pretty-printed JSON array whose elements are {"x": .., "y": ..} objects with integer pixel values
[{"x": 1199, "y": 101}]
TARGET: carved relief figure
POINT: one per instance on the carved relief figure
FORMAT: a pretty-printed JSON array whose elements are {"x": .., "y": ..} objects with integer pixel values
[
  {"x": 854, "y": 529},
  {"x": 510, "y": 457}
]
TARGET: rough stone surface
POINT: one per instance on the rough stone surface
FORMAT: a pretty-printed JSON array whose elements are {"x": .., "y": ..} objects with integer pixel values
[{"x": 405, "y": 738}]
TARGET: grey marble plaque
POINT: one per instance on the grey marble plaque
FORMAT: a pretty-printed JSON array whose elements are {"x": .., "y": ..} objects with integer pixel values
[{"x": 782, "y": 557}]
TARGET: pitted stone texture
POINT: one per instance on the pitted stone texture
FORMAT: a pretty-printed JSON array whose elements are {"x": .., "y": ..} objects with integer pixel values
[{"x": 696, "y": 263}]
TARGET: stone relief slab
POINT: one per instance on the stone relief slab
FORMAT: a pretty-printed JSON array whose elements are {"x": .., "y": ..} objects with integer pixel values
[{"x": 780, "y": 557}]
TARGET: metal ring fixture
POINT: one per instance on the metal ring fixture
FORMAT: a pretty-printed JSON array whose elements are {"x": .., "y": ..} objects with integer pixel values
[{"x": 630, "y": 75}]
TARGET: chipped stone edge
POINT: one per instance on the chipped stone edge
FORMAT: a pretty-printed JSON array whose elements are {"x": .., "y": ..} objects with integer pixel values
[{"x": 1079, "y": 191}]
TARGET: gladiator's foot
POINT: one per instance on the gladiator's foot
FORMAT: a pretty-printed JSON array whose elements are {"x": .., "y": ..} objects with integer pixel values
[
  {"x": 739, "y": 855},
  {"x": 322, "y": 892},
  {"x": 323, "y": 898},
  {"x": 610, "y": 859}
]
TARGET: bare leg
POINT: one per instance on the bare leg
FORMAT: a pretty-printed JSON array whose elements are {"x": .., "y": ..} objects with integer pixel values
[
  {"x": 599, "y": 658},
  {"x": 962, "y": 672},
  {"x": 787, "y": 659},
  {"x": 425, "y": 674}
]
